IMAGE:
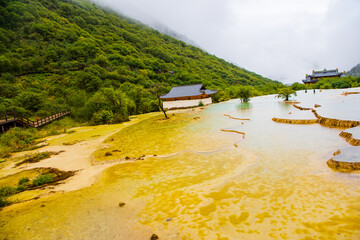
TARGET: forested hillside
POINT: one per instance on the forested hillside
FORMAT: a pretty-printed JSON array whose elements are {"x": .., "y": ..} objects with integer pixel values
[
  {"x": 58, "y": 55},
  {"x": 354, "y": 72}
]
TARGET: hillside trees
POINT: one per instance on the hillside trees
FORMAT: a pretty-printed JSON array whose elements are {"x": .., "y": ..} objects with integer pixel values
[
  {"x": 338, "y": 82},
  {"x": 57, "y": 55}
]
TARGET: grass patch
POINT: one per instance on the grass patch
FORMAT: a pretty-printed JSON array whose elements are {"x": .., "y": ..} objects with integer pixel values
[
  {"x": 46, "y": 176},
  {"x": 7, "y": 191},
  {"x": 24, "y": 183},
  {"x": 23, "y": 139},
  {"x": 60, "y": 126},
  {"x": 24, "y": 180},
  {"x": 71, "y": 142},
  {"x": 33, "y": 147},
  {"x": 3, "y": 202},
  {"x": 43, "y": 179},
  {"x": 37, "y": 157},
  {"x": 17, "y": 139}
]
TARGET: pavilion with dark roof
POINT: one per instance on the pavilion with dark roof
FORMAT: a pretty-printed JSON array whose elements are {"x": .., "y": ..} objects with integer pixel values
[
  {"x": 187, "y": 96},
  {"x": 317, "y": 75}
]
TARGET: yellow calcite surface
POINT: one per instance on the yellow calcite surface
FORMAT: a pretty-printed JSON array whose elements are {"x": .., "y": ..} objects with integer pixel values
[
  {"x": 12, "y": 180},
  {"x": 274, "y": 185},
  {"x": 160, "y": 136}
]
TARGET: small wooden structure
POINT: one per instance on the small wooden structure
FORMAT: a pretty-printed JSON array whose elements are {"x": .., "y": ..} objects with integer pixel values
[
  {"x": 317, "y": 75},
  {"x": 13, "y": 120},
  {"x": 187, "y": 96}
]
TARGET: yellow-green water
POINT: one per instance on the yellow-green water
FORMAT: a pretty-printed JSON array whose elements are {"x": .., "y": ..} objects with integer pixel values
[{"x": 274, "y": 185}]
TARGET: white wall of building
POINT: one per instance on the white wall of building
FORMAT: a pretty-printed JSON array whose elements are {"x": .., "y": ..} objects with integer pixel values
[{"x": 186, "y": 103}]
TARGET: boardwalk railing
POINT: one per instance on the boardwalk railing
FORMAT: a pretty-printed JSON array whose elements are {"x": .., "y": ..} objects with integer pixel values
[{"x": 13, "y": 120}]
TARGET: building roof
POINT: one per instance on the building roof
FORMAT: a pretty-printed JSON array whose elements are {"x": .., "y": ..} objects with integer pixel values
[
  {"x": 314, "y": 77},
  {"x": 326, "y": 73},
  {"x": 188, "y": 91},
  {"x": 309, "y": 80},
  {"x": 210, "y": 92}
]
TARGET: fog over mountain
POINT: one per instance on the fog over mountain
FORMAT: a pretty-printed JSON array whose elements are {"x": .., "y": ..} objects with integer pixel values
[
  {"x": 355, "y": 71},
  {"x": 279, "y": 39},
  {"x": 146, "y": 19}
]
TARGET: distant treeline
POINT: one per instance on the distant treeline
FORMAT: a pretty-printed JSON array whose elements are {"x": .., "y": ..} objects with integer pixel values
[{"x": 330, "y": 83}]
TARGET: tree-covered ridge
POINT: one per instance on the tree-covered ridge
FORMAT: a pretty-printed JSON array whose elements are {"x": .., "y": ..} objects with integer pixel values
[
  {"x": 354, "y": 72},
  {"x": 56, "y": 55}
]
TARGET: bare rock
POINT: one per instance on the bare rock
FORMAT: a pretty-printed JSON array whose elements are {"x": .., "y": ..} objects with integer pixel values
[{"x": 154, "y": 237}]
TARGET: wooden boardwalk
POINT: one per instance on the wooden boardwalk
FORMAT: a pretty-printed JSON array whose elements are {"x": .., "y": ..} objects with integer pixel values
[{"x": 13, "y": 120}]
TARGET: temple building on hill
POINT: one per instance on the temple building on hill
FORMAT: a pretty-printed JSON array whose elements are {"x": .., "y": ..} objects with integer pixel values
[
  {"x": 187, "y": 96},
  {"x": 317, "y": 75}
]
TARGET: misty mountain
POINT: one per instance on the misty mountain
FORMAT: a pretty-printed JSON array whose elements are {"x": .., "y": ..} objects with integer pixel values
[
  {"x": 167, "y": 31},
  {"x": 58, "y": 55},
  {"x": 136, "y": 15},
  {"x": 355, "y": 71}
]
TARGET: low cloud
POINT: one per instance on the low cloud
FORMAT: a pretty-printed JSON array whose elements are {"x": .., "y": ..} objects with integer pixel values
[{"x": 279, "y": 39}]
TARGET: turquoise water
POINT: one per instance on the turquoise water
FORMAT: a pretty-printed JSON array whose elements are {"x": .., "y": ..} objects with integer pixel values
[{"x": 204, "y": 183}]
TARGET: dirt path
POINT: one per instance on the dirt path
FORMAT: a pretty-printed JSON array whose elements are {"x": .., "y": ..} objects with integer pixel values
[{"x": 77, "y": 158}]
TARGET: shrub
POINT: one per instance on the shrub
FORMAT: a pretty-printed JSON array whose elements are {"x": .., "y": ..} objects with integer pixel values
[
  {"x": 4, "y": 193},
  {"x": 3, "y": 201},
  {"x": 5, "y": 152},
  {"x": 102, "y": 117},
  {"x": 23, "y": 184},
  {"x": 326, "y": 86},
  {"x": 21, "y": 188},
  {"x": 23, "y": 181},
  {"x": 43, "y": 179},
  {"x": 118, "y": 118},
  {"x": 7, "y": 191},
  {"x": 17, "y": 139},
  {"x": 53, "y": 132},
  {"x": 201, "y": 104},
  {"x": 298, "y": 86},
  {"x": 341, "y": 84},
  {"x": 35, "y": 158}
]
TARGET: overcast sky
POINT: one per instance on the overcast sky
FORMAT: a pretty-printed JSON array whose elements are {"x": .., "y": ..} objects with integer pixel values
[{"x": 279, "y": 39}]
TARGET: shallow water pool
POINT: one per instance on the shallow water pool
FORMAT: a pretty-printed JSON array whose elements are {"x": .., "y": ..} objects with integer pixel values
[{"x": 271, "y": 182}]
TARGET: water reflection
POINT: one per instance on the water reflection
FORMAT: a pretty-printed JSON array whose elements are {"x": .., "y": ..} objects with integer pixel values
[
  {"x": 285, "y": 106},
  {"x": 243, "y": 106}
]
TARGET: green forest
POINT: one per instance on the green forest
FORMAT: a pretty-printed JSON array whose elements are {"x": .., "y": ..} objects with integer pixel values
[
  {"x": 73, "y": 55},
  {"x": 330, "y": 83}
]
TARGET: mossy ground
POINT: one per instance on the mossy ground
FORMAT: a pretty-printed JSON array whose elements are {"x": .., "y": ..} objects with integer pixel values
[
  {"x": 159, "y": 136},
  {"x": 36, "y": 179}
]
